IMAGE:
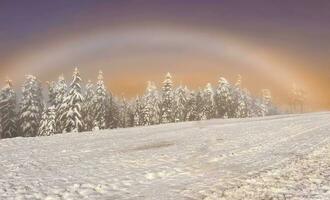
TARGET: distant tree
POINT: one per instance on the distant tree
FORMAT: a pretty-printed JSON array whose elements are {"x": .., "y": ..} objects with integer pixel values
[
  {"x": 48, "y": 124},
  {"x": 167, "y": 102},
  {"x": 99, "y": 103},
  {"x": 192, "y": 114},
  {"x": 223, "y": 99},
  {"x": 127, "y": 113},
  {"x": 181, "y": 104},
  {"x": 51, "y": 93},
  {"x": 60, "y": 89},
  {"x": 72, "y": 105},
  {"x": 209, "y": 105},
  {"x": 31, "y": 106},
  {"x": 8, "y": 115},
  {"x": 88, "y": 110},
  {"x": 151, "y": 108},
  {"x": 139, "y": 112},
  {"x": 239, "y": 99},
  {"x": 113, "y": 117},
  {"x": 248, "y": 99},
  {"x": 200, "y": 106}
]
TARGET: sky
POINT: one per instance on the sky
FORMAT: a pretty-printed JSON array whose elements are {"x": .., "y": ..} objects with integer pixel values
[{"x": 272, "y": 44}]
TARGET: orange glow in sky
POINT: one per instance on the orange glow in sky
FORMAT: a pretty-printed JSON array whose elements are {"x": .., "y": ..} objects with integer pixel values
[{"x": 133, "y": 47}]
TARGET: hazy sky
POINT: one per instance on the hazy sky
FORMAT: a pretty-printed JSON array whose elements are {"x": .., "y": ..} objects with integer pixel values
[{"x": 272, "y": 44}]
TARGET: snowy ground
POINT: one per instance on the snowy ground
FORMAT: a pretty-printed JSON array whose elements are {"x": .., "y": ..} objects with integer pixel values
[{"x": 279, "y": 157}]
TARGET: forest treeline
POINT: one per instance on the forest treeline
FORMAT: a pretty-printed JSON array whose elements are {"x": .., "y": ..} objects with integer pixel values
[{"x": 76, "y": 108}]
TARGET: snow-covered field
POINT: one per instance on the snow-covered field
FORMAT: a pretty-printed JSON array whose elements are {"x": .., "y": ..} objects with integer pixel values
[{"x": 279, "y": 157}]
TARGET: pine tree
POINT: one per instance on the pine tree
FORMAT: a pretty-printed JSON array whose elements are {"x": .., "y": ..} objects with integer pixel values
[
  {"x": 72, "y": 105},
  {"x": 200, "y": 106},
  {"x": 31, "y": 106},
  {"x": 167, "y": 103},
  {"x": 248, "y": 99},
  {"x": 113, "y": 117},
  {"x": 209, "y": 107},
  {"x": 60, "y": 89},
  {"x": 151, "y": 108},
  {"x": 239, "y": 100},
  {"x": 191, "y": 105},
  {"x": 8, "y": 116},
  {"x": 88, "y": 110},
  {"x": 99, "y": 104},
  {"x": 138, "y": 112},
  {"x": 51, "y": 93},
  {"x": 48, "y": 124},
  {"x": 223, "y": 99},
  {"x": 181, "y": 103}
]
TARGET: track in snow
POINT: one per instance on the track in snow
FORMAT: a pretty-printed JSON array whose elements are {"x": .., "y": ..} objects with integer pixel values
[{"x": 274, "y": 157}]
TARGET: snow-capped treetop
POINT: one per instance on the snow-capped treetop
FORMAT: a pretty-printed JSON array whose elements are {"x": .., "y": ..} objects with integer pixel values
[
  {"x": 150, "y": 87},
  {"x": 100, "y": 76},
  {"x": 9, "y": 83},
  {"x": 208, "y": 88},
  {"x": 61, "y": 78},
  {"x": 223, "y": 81},
  {"x": 167, "y": 83},
  {"x": 100, "y": 87},
  {"x": 76, "y": 79}
]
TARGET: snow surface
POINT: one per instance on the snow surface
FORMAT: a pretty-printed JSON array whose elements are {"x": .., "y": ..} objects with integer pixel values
[{"x": 279, "y": 157}]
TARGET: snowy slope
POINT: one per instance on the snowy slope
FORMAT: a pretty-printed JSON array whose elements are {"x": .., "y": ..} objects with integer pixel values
[{"x": 281, "y": 156}]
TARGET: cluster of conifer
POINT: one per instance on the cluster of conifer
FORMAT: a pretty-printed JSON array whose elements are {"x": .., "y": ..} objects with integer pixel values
[{"x": 73, "y": 108}]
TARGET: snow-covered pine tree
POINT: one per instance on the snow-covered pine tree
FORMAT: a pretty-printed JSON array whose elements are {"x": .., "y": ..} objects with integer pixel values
[
  {"x": 31, "y": 106},
  {"x": 43, "y": 123},
  {"x": 139, "y": 119},
  {"x": 191, "y": 105},
  {"x": 248, "y": 102},
  {"x": 113, "y": 116},
  {"x": 151, "y": 101},
  {"x": 88, "y": 110},
  {"x": 48, "y": 124},
  {"x": 123, "y": 108},
  {"x": 209, "y": 107},
  {"x": 8, "y": 115},
  {"x": 167, "y": 102},
  {"x": 130, "y": 114},
  {"x": 60, "y": 89},
  {"x": 200, "y": 105},
  {"x": 99, "y": 104},
  {"x": 181, "y": 100},
  {"x": 239, "y": 100},
  {"x": 72, "y": 105},
  {"x": 223, "y": 98},
  {"x": 51, "y": 93}
]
